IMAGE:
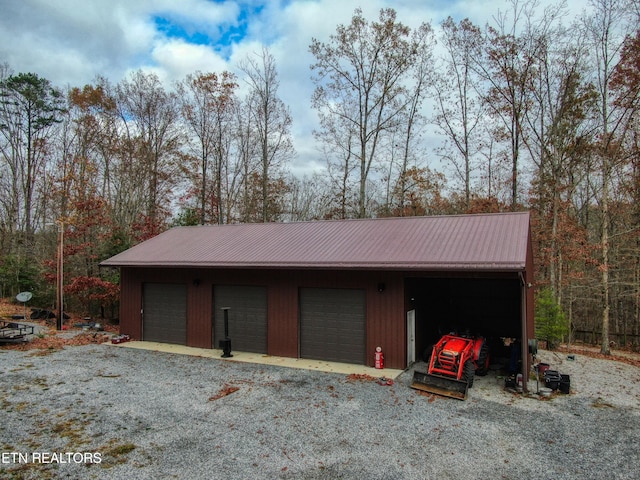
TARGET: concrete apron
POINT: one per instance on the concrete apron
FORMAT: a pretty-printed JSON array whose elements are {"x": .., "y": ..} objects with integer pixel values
[{"x": 262, "y": 359}]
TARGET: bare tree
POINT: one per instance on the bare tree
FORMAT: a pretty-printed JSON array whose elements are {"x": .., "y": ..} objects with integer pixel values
[
  {"x": 459, "y": 108},
  {"x": 121, "y": 173},
  {"x": 30, "y": 108},
  {"x": 306, "y": 198},
  {"x": 207, "y": 105},
  {"x": 625, "y": 88},
  {"x": 607, "y": 28},
  {"x": 152, "y": 114},
  {"x": 511, "y": 50},
  {"x": 338, "y": 140},
  {"x": 557, "y": 133},
  {"x": 359, "y": 79},
  {"x": 270, "y": 121},
  {"x": 413, "y": 122},
  {"x": 246, "y": 154}
]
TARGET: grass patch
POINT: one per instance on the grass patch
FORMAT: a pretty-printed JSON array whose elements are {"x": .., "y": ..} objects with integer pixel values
[
  {"x": 72, "y": 431},
  {"x": 118, "y": 450},
  {"x": 114, "y": 453},
  {"x": 44, "y": 352},
  {"x": 41, "y": 382},
  {"x": 600, "y": 403},
  {"x": 30, "y": 470}
]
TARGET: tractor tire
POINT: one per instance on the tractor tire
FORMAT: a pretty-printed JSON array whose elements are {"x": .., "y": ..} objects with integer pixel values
[
  {"x": 483, "y": 360},
  {"x": 468, "y": 372},
  {"x": 427, "y": 354}
]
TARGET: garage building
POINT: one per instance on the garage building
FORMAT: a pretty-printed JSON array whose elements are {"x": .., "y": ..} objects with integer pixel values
[{"x": 332, "y": 290}]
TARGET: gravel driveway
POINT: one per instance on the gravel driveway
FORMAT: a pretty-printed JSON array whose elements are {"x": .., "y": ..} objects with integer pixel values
[{"x": 99, "y": 411}]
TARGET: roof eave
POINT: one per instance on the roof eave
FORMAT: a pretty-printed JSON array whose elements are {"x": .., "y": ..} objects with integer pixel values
[{"x": 492, "y": 267}]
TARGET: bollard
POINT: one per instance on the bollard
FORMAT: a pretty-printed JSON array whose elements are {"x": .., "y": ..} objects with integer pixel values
[{"x": 225, "y": 344}]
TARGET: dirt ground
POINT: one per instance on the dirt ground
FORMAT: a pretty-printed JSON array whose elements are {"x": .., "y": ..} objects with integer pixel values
[{"x": 46, "y": 337}]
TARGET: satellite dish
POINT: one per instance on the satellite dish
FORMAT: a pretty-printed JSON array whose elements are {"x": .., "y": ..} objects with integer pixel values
[{"x": 24, "y": 296}]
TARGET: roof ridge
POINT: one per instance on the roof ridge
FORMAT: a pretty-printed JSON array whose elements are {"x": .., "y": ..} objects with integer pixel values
[{"x": 346, "y": 220}]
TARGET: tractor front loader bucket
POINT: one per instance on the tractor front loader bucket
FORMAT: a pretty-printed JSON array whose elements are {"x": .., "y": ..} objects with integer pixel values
[{"x": 448, "y": 387}]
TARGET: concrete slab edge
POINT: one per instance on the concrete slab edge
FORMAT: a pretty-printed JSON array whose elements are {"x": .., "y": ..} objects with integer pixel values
[{"x": 262, "y": 359}]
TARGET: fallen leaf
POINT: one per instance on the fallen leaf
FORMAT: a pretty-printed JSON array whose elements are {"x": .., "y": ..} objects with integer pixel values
[
  {"x": 227, "y": 390},
  {"x": 361, "y": 377}
]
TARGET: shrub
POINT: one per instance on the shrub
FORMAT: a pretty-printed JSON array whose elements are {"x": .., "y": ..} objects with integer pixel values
[{"x": 551, "y": 323}]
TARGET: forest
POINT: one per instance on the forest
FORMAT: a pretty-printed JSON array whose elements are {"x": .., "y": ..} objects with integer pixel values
[{"x": 537, "y": 110}]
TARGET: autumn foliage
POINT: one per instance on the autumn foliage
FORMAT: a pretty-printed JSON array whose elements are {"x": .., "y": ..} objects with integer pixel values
[{"x": 521, "y": 114}]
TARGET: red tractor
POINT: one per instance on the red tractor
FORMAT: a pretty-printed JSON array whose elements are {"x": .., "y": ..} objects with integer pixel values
[{"x": 453, "y": 364}]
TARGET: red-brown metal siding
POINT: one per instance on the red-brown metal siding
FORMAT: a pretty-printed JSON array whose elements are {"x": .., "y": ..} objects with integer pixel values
[
  {"x": 131, "y": 303},
  {"x": 529, "y": 276},
  {"x": 385, "y": 310},
  {"x": 198, "y": 302},
  {"x": 199, "y": 314},
  {"x": 282, "y": 311},
  {"x": 386, "y": 318}
]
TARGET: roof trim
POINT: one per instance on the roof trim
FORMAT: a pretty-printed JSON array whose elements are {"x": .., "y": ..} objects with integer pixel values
[{"x": 501, "y": 267}]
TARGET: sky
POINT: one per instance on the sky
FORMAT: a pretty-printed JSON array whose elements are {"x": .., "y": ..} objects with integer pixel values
[{"x": 70, "y": 42}]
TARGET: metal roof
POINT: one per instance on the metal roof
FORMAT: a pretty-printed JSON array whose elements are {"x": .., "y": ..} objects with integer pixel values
[{"x": 495, "y": 242}]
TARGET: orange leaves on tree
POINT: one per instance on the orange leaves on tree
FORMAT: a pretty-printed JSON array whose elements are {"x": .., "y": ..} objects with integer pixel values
[
  {"x": 93, "y": 288},
  {"x": 147, "y": 227},
  {"x": 91, "y": 98},
  {"x": 625, "y": 80}
]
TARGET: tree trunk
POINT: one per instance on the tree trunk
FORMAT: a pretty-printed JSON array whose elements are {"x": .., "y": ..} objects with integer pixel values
[
  {"x": 363, "y": 179},
  {"x": 203, "y": 188},
  {"x": 605, "y": 347}
]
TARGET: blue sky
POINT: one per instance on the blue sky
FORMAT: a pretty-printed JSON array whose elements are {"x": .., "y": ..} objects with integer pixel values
[
  {"x": 70, "y": 42},
  {"x": 220, "y": 37},
  {"x": 172, "y": 29}
]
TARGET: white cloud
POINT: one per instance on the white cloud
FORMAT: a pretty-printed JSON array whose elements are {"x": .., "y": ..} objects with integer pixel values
[
  {"x": 71, "y": 41},
  {"x": 177, "y": 58}
]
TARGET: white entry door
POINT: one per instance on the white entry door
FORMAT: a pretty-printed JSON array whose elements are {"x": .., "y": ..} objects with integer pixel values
[{"x": 411, "y": 337}]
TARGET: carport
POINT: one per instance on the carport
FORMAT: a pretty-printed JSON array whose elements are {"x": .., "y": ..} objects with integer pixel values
[
  {"x": 332, "y": 290},
  {"x": 484, "y": 306}
]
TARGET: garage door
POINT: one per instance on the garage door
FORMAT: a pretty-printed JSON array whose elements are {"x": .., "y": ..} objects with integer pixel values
[
  {"x": 247, "y": 317},
  {"x": 332, "y": 324},
  {"x": 164, "y": 317}
]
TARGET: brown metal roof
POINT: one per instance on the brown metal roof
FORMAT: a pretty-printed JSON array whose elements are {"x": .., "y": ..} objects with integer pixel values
[{"x": 496, "y": 242}]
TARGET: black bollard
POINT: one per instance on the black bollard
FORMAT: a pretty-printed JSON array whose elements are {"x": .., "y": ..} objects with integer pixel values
[{"x": 225, "y": 344}]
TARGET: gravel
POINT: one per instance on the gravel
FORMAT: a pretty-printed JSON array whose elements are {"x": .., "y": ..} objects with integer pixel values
[{"x": 136, "y": 414}]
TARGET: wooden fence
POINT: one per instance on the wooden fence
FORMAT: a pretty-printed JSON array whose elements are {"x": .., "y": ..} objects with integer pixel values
[{"x": 594, "y": 337}]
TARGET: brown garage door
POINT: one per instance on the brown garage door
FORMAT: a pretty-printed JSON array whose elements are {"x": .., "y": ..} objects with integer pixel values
[
  {"x": 164, "y": 313},
  {"x": 332, "y": 324},
  {"x": 247, "y": 317}
]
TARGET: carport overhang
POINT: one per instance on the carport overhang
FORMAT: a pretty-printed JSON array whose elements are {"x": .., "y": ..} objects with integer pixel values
[{"x": 516, "y": 273}]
